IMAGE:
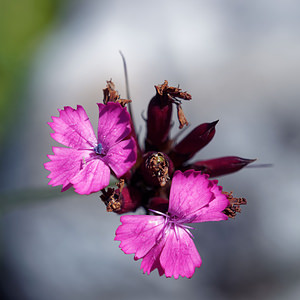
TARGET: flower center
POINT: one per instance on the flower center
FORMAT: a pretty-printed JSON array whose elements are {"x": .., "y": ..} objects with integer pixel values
[{"x": 98, "y": 149}]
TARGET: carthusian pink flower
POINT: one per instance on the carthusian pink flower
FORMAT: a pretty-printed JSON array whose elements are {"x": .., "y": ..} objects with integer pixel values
[
  {"x": 86, "y": 164},
  {"x": 163, "y": 241}
]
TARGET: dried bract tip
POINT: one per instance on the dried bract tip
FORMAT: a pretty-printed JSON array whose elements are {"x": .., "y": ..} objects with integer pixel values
[
  {"x": 161, "y": 88},
  {"x": 234, "y": 206},
  {"x": 111, "y": 199},
  {"x": 181, "y": 117},
  {"x": 121, "y": 184},
  {"x": 158, "y": 166},
  {"x": 111, "y": 95},
  {"x": 172, "y": 92},
  {"x": 122, "y": 199},
  {"x": 123, "y": 102}
]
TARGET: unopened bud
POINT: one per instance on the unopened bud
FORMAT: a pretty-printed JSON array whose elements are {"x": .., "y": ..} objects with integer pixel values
[
  {"x": 131, "y": 200},
  {"x": 192, "y": 143},
  {"x": 160, "y": 113},
  {"x": 158, "y": 122},
  {"x": 221, "y": 166}
]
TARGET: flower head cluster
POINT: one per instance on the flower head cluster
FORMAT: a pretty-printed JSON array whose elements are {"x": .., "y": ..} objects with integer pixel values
[{"x": 157, "y": 176}]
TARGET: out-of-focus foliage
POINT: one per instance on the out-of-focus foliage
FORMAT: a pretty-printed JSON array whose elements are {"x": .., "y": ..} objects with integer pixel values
[{"x": 22, "y": 25}]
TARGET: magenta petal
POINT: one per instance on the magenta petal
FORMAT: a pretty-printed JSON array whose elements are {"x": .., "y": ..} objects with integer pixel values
[
  {"x": 64, "y": 165},
  {"x": 179, "y": 255},
  {"x": 190, "y": 191},
  {"x": 138, "y": 233},
  {"x": 73, "y": 128},
  {"x": 93, "y": 177},
  {"x": 121, "y": 157},
  {"x": 114, "y": 124},
  {"x": 214, "y": 210},
  {"x": 151, "y": 260}
]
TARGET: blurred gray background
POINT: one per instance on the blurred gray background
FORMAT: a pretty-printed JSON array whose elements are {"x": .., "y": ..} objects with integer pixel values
[{"x": 240, "y": 60}]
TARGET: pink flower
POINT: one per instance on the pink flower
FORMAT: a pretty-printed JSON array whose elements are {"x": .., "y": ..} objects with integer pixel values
[
  {"x": 86, "y": 164},
  {"x": 164, "y": 241}
]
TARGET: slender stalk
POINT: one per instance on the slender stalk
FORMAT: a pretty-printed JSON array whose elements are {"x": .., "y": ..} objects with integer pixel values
[
  {"x": 126, "y": 83},
  {"x": 130, "y": 107}
]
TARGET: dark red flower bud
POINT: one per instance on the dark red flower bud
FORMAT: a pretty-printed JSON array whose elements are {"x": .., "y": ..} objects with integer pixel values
[
  {"x": 192, "y": 143},
  {"x": 131, "y": 200},
  {"x": 158, "y": 120},
  {"x": 159, "y": 204},
  {"x": 156, "y": 169},
  {"x": 159, "y": 116},
  {"x": 221, "y": 166}
]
